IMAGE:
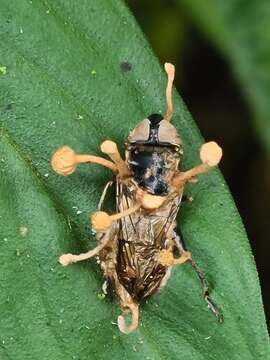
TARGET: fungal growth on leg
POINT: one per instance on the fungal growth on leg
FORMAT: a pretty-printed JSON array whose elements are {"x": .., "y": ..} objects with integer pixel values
[
  {"x": 166, "y": 258},
  {"x": 210, "y": 155},
  {"x": 67, "y": 259},
  {"x": 101, "y": 221},
  {"x": 110, "y": 148},
  {"x": 128, "y": 306},
  {"x": 64, "y": 161}
]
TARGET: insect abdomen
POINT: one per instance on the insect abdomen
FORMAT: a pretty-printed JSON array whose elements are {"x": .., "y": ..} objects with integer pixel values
[
  {"x": 141, "y": 237},
  {"x": 138, "y": 269}
]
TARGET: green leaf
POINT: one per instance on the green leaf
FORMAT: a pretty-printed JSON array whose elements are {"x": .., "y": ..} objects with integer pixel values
[
  {"x": 241, "y": 31},
  {"x": 65, "y": 85}
]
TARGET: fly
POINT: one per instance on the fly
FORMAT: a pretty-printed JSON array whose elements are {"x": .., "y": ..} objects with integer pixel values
[{"x": 139, "y": 244}]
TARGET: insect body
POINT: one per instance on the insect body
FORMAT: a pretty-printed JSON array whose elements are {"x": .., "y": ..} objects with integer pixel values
[{"x": 138, "y": 245}]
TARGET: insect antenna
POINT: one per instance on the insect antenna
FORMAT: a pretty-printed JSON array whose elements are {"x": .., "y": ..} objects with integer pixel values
[{"x": 170, "y": 70}]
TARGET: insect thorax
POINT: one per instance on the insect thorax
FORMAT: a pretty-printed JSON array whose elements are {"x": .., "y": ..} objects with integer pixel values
[{"x": 152, "y": 166}]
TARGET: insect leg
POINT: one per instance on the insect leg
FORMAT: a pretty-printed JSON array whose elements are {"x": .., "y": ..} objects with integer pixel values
[
  {"x": 65, "y": 161},
  {"x": 180, "y": 243},
  {"x": 102, "y": 198}
]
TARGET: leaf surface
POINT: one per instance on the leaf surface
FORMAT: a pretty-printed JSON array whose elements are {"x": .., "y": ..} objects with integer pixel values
[{"x": 64, "y": 84}]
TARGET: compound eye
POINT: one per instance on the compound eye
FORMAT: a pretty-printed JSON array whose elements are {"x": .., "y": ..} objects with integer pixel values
[
  {"x": 168, "y": 134},
  {"x": 141, "y": 132}
]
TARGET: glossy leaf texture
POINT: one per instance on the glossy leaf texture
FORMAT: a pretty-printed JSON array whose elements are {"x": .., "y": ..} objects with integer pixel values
[
  {"x": 78, "y": 73},
  {"x": 241, "y": 31}
]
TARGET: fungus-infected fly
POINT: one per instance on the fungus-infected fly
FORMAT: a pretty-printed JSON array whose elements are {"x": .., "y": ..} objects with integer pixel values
[{"x": 138, "y": 245}]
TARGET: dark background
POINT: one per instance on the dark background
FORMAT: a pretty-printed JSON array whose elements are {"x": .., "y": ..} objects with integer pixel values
[{"x": 213, "y": 96}]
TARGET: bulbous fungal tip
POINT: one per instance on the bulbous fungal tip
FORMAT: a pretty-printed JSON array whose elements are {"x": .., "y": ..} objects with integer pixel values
[
  {"x": 66, "y": 259},
  {"x": 108, "y": 147},
  {"x": 169, "y": 68},
  {"x": 64, "y": 161},
  {"x": 101, "y": 221},
  {"x": 211, "y": 153},
  {"x": 166, "y": 257}
]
